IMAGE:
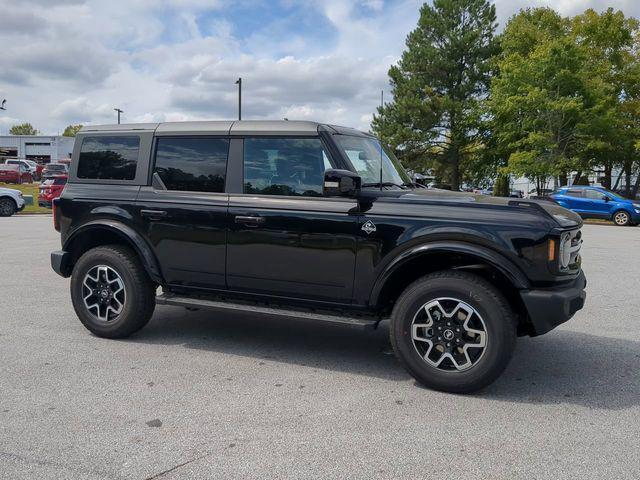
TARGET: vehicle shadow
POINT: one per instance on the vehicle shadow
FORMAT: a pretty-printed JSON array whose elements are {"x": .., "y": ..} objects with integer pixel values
[
  {"x": 560, "y": 367},
  {"x": 571, "y": 367},
  {"x": 290, "y": 341}
]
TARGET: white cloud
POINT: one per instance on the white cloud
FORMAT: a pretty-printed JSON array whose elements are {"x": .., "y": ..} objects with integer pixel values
[{"x": 71, "y": 61}]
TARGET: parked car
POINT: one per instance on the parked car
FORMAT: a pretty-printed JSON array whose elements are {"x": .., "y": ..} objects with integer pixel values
[
  {"x": 540, "y": 195},
  {"x": 51, "y": 189},
  {"x": 30, "y": 165},
  {"x": 15, "y": 174},
  {"x": 11, "y": 201},
  {"x": 598, "y": 202},
  {"x": 52, "y": 169},
  {"x": 292, "y": 219}
]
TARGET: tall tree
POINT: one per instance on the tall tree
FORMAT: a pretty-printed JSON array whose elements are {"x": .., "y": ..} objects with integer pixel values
[
  {"x": 437, "y": 86},
  {"x": 23, "y": 129},
  {"x": 609, "y": 40},
  {"x": 539, "y": 99},
  {"x": 71, "y": 130}
]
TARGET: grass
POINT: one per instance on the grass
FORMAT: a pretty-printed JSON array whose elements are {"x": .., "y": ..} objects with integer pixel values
[{"x": 28, "y": 189}]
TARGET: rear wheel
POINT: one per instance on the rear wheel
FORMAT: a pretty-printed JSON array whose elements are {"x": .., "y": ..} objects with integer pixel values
[
  {"x": 7, "y": 207},
  {"x": 621, "y": 218},
  {"x": 453, "y": 331},
  {"x": 111, "y": 292}
]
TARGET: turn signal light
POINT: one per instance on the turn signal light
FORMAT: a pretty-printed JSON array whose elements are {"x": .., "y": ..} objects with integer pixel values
[{"x": 552, "y": 250}]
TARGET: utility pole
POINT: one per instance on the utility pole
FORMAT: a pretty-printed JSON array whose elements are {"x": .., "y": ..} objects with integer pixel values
[
  {"x": 119, "y": 112},
  {"x": 239, "y": 83}
]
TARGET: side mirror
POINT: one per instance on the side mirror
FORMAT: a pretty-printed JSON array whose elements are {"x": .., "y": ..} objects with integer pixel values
[
  {"x": 606, "y": 199},
  {"x": 341, "y": 183}
]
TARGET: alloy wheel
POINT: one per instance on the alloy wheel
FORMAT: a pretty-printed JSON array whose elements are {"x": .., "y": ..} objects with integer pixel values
[
  {"x": 103, "y": 293},
  {"x": 449, "y": 334},
  {"x": 621, "y": 218}
]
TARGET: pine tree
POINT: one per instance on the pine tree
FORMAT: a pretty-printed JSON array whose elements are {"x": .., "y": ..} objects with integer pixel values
[{"x": 437, "y": 86}]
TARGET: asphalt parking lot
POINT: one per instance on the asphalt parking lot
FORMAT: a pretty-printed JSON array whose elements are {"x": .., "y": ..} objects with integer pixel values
[{"x": 236, "y": 396}]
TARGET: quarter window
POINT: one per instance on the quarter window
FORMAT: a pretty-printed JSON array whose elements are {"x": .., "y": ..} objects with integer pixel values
[
  {"x": 192, "y": 164},
  {"x": 284, "y": 166},
  {"x": 109, "y": 158}
]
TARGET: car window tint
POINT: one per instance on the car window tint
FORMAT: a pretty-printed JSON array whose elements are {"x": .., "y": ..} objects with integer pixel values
[
  {"x": 594, "y": 195},
  {"x": 108, "y": 158},
  {"x": 192, "y": 164},
  {"x": 284, "y": 166},
  {"x": 574, "y": 193}
]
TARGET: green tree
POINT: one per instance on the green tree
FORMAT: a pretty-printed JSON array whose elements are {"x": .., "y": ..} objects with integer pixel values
[
  {"x": 539, "y": 99},
  {"x": 71, "y": 130},
  {"x": 23, "y": 129},
  {"x": 438, "y": 84},
  {"x": 610, "y": 41}
]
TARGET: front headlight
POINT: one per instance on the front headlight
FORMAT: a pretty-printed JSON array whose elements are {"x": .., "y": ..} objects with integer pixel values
[
  {"x": 569, "y": 251},
  {"x": 636, "y": 206},
  {"x": 564, "y": 256}
]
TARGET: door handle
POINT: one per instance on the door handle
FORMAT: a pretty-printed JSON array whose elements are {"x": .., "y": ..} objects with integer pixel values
[
  {"x": 249, "y": 221},
  {"x": 153, "y": 214}
]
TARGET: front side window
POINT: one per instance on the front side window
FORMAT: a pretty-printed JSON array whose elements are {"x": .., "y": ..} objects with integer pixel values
[
  {"x": 366, "y": 154},
  {"x": 192, "y": 164},
  {"x": 284, "y": 166},
  {"x": 595, "y": 195},
  {"x": 108, "y": 158}
]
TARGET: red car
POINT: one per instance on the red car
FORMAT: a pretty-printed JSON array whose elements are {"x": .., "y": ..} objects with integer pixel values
[
  {"x": 15, "y": 174},
  {"x": 50, "y": 189}
]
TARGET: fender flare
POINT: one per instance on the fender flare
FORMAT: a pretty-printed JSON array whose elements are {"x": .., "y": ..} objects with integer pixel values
[
  {"x": 132, "y": 237},
  {"x": 484, "y": 254}
]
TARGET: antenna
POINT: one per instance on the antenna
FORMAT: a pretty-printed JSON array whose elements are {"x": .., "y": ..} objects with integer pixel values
[{"x": 381, "y": 127}]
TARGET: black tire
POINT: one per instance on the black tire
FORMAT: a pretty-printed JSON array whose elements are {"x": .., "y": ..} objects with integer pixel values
[
  {"x": 139, "y": 302},
  {"x": 622, "y": 218},
  {"x": 7, "y": 207},
  {"x": 499, "y": 321}
]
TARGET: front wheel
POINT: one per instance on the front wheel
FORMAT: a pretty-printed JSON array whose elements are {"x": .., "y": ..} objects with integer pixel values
[
  {"x": 111, "y": 292},
  {"x": 453, "y": 331},
  {"x": 7, "y": 207},
  {"x": 622, "y": 218}
]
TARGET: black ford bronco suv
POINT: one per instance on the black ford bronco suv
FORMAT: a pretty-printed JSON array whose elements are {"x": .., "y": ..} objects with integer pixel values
[{"x": 316, "y": 222}]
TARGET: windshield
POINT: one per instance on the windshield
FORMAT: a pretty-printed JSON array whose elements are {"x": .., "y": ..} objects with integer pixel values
[
  {"x": 56, "y": 166},
  {"x": 615, "y": 195},
  {"x": 364, "y": 154}
]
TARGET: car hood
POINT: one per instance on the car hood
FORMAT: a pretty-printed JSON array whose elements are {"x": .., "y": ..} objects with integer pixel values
[{"x": 562, "y": 216}]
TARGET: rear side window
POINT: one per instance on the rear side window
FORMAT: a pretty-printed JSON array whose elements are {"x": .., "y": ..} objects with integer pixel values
[
  {"x": 192, "y": 164},
  {"x": 574, "y": 193},
  {"x": 284, "y": 166},
  {"x": 109, "y": 157}
]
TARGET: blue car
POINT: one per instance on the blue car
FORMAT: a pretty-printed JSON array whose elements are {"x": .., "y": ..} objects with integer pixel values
[{"x": 598, "y": 202}]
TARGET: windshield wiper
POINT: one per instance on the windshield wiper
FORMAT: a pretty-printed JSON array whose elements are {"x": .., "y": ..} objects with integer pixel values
[{"x": 383, "y": 184}]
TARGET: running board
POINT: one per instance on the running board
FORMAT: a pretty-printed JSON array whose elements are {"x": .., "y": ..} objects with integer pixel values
[{"x": 206, "y": 304}]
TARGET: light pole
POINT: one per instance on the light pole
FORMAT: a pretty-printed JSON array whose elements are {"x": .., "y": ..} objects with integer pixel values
[
  {"x": 239, "y": 83},
  {"x": 119, "y": 112}
]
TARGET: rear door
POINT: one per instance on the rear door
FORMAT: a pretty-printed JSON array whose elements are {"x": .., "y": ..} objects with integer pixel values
[
  {"x": 285, "y": 238},
  {"x": 184, "y": 210}
]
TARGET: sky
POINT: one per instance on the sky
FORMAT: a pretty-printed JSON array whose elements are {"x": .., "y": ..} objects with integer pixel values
[{"x": 73, "y": 61}]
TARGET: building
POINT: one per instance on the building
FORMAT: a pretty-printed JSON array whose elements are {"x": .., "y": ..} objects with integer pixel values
[{"x": 40, "y": 148}]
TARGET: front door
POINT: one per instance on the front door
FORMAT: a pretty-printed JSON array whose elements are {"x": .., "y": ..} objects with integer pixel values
[
  {"x": 184, "y": 211},
  {"x": 285, "y": 239}
]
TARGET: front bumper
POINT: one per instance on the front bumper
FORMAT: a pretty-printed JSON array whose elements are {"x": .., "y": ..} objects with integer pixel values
[
  {"x": 550, "y": 307},
  {"x": 61, "y": 263}
]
